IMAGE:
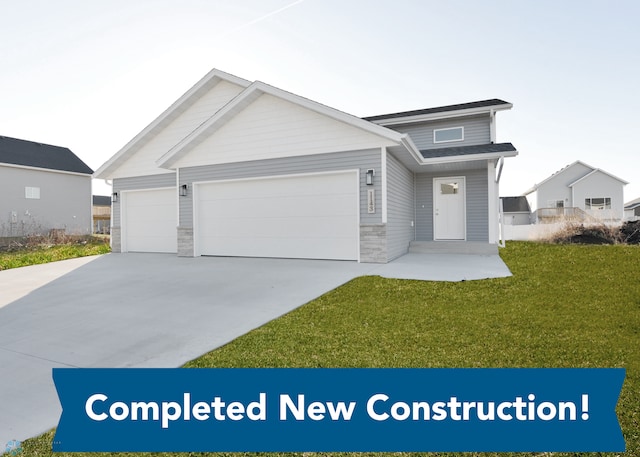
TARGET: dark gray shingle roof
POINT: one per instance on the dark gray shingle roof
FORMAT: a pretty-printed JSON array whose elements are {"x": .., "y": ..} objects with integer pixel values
[
  {"x": 515, "y": 205},
  {"x": 101, "y": 200},
  {"x": 30, "y": 154},
  {"x": 439, "y": 109},
  {"x": 467, "y": 150}
]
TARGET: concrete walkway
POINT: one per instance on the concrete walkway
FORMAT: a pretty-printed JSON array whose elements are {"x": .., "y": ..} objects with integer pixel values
[{"x": 157, "y": 310}]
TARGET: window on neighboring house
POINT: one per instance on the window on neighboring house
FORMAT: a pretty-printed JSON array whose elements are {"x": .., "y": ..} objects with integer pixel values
[
  {"x": 597, "y": 203},
  {"x": 32, "y": 193},
  {"x": 448, "y": 135},
  {"x": 555, "y": 204}
]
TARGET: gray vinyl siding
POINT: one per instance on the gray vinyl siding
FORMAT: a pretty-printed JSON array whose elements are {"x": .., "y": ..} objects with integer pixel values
[
  {"x": 477, "y": 205},
  {"x": 424, "y": 207},
  {"x": 400, "y": 208},
  {"x": 64, "y": 203},
  {"x": 139, "y": 183},
  {"x": 476, "y": 131},
  {"x": 350, "y": 160},
  {"x": 557, "y": 187}
]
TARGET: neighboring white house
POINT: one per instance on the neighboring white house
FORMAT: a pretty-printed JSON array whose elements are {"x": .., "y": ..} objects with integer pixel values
[
  {"x": 632, "y": 210},
  {"x": 42, "y": 188},
  {"x": 240, "y": 168},
  {"x": 578, "y": 191}
]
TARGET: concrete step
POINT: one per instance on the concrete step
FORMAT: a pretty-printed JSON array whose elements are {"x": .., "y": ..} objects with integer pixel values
[{"x": 453, "y": 247}]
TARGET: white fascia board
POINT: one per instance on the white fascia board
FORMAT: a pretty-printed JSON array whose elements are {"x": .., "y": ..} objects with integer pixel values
[
  {"x": 249, "y": 95},
  {"x": 132, "y": 146},
  {"x": 598, "y": 170},
  {"x": 559, "y": 172},
  {"x": 468, "y": 157},
  {"x": 215, "y": 122},
  {"x": 443, "y": 115},
  {"x": 408, "y": 143},
  {"x": 48, "y": 170},
  {"x": 332, "y": 112}
]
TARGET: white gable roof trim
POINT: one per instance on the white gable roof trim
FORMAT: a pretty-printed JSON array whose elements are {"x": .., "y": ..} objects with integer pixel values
[
  {"x": 577, "y": 162},
  {"x": 251, "y": 94},
  {"x": 562, "y": 170},
  {"x": 596, "y": 171},
  {"x": 179, "y": 106}
]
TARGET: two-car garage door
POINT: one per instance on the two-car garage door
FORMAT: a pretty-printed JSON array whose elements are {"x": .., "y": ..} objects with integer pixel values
[{"x": 304, "y": 216}]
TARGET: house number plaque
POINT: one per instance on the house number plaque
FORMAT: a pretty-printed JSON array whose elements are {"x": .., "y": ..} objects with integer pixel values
[{"x": 371, "y": 201}]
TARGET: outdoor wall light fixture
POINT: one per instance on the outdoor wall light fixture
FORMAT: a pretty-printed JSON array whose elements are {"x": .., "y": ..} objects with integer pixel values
[
  {"x": 183, "y": 190},
  {"x": 114, "y": 197},
  {"x": 370, "y": 173}
]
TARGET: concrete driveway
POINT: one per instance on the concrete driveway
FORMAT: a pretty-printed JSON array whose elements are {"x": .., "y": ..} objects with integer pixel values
[{"x": 157, "y": 310}]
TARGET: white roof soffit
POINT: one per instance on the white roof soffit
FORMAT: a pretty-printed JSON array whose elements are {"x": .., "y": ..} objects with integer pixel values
[
  {"x": 178, "y": 107},
  {"x": 444, "y": 114},
  {"x": 252, "y": 93},
  {"x": 468, "y": 157}
]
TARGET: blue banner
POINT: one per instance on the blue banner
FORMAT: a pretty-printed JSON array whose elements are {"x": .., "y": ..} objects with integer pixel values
[{"x": 338, "y": 410}]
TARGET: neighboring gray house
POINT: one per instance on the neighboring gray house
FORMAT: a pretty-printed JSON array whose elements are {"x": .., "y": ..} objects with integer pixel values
[
  {"x": 240, "y": 168},
  {"x": 43, "y": 188},
  {"x": 581, "y": 192},
  {"x": 632, "y": 210},
  {"x": 516, "y": 210}
]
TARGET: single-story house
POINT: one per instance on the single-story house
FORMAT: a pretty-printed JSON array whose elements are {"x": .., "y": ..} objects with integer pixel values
[
  {"x": 240, "y": 168},
  {"x": 43, "y": 188},
  {"x": 516, "y": 210},
  {"x": 101, "y": 214},
  {"x": 632, "y": 210},
  {"x": 578, "y": 191}
]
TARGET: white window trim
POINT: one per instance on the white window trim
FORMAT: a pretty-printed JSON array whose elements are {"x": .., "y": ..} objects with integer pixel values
[
  {"x": 461, "y": 128},
  {"x": 591, "y": 205},
  {"x": 32, "y": 193}
]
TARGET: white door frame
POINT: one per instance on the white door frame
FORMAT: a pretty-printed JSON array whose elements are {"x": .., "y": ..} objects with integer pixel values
[{"x": 436, "y": 209}]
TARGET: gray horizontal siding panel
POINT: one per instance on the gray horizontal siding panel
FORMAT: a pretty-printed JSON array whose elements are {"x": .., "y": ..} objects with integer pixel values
[
  {"x": 424, "y": 207},
  {"x": 400, "y": 208},
  {"x": 348, "y": 160},
  {"x": 139, "y": 183},
  {"x": 477, "y": 204},
  {"x": 64, "y": 202},
  {"x": 476, "y": 131}
]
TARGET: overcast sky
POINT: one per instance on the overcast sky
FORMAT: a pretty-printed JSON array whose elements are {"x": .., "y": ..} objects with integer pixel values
[{"x": 90, "y": 75}]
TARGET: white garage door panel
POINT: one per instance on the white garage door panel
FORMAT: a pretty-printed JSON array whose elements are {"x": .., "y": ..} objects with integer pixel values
[
  {"x": 311, "y": 216},
  {"x": 324, "y": 227},
  {"x": 150, "y": 221},
  {"x": 261, "y": 207}
]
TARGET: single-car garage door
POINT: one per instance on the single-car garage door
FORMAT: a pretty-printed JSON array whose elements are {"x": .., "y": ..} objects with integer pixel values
[
  {"x": 311, "y": 216},
  {"x": 149, "y": 221}
]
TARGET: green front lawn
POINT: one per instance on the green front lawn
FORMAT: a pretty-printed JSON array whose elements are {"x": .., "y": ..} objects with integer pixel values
[
  {"x": 565, "y": 306},
  {"x": 44, "y": 254}
]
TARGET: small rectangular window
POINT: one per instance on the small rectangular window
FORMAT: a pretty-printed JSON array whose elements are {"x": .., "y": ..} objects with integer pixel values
[
  {"x": 32, "y": 193},
  {"x": 448, "y": 135},
  {"x": 450, "y": 188}
]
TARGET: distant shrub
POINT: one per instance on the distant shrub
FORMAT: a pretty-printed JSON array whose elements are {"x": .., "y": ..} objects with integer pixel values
[
  {"x": 630, "y": 232},
  {"x": 574, "y": 233}
]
